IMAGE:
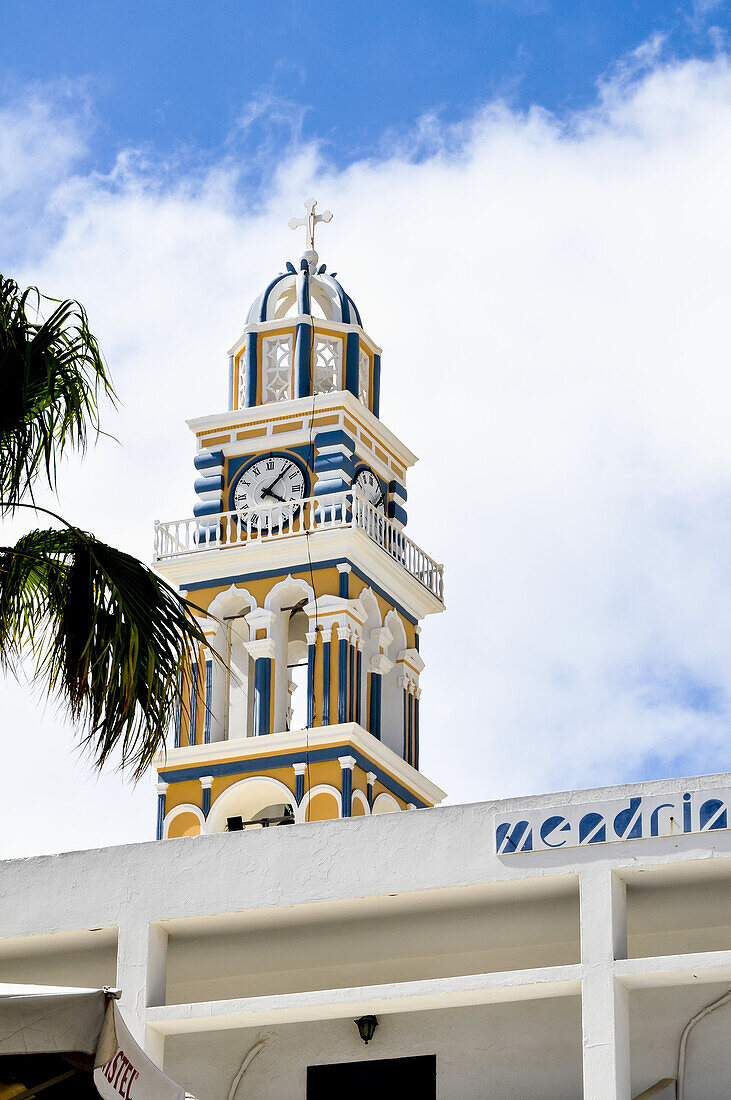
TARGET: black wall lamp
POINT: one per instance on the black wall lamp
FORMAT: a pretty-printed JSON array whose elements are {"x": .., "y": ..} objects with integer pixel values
[{"x": 366, "y": 1027}]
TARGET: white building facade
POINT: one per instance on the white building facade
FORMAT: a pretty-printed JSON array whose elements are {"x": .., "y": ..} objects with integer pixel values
[{"x": 541, "y": 966}]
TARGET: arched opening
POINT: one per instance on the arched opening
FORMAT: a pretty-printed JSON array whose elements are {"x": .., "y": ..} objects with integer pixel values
[
  {"x": 183, "y": 821},
  {"x": 297, "y": 669},
  {"x": 392, "y": 723},
  {"x": 232, "y": 693},
  {"x": 246, "y": 799},
  {"x": 385, "y": 804},
  {"x": 288, "y": 631}
]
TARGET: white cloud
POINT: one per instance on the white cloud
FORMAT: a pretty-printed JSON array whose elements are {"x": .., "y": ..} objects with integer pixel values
[{"x": 552, "y": 299}]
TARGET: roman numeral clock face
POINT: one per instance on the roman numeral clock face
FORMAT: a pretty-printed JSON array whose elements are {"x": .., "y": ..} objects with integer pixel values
[
  {"x": 264, "y": 487},
  {"x": 367, "y": 485}
]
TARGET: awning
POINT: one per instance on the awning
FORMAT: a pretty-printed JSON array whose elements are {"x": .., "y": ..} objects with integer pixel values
[{"x": 58, "y": 1042}]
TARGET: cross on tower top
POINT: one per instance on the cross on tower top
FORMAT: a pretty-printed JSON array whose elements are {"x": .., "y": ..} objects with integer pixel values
[{"x": 310, "y": 222}]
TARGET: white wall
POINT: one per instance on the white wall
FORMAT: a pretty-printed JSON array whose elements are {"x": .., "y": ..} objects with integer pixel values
[{"x": 526, "y": 1051}]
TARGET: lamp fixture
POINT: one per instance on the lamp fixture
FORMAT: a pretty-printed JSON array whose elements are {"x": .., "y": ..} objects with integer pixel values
[{"x": 366, "y": 1027}]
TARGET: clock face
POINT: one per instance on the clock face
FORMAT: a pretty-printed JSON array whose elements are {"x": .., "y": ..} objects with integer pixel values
[
  {"x": 267, "y": 483},
  {"x": 367, "y": 485}
]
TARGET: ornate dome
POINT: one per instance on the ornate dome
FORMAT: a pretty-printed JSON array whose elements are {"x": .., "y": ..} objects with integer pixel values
[{"x": 308, "y": 290}]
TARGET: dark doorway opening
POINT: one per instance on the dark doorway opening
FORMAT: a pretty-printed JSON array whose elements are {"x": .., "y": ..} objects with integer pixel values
[{"x": 391, "y": 1077}]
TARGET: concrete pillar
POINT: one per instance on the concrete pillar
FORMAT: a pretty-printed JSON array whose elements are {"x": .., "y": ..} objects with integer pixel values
[
  {"x": 604, "y": 1002},
  {"x": 141, "y": 976}
]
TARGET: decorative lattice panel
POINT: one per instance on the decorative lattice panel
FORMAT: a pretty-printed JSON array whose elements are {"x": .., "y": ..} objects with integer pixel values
[
  {"x": 276, "y": 368},
  {"x": 364, "y": 374},
  {"x": 327, "y": 366}
]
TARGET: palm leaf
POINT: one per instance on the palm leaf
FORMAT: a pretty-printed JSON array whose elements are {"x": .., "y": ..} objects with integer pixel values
[
  {"x": 107, "y": 636},
  {"x": 51, "y": 376}
]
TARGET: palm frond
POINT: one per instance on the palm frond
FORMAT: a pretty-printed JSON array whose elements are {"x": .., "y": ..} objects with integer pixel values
[
  {"x": 51, "y": 376},
  {"x": 107, "y": 636}
]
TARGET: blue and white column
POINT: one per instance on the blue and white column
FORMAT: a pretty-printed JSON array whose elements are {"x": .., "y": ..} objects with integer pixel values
[
  {"x": 206, "y": 784},
  {"x": 311, "y": 655},
  {"x": 208, "y": 699},
  {"x": 161, "y": 789},
  {"x": 371, "y": 781},
  {"x": 300, "y": 770},
  {"x": 347, "y": 763},
  {"x": 343, "y": 638},
  {"x": 261, "y": 650}
]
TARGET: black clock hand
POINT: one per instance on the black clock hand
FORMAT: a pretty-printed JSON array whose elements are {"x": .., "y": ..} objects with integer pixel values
[{"x": 266, "y": 492}]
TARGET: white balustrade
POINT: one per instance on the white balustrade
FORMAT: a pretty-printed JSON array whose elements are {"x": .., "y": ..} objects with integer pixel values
[{"x": 297, "y": 517}]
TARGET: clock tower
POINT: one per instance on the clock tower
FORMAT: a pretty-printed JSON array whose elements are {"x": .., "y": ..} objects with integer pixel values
[{"x": 304, "y": 704}]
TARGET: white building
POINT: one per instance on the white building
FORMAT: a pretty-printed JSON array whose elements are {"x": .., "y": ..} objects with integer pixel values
[{"x": 545, "y": 948}]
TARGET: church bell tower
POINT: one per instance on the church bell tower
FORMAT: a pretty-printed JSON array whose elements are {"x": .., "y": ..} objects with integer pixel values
[{"x": 304, "y": 704}]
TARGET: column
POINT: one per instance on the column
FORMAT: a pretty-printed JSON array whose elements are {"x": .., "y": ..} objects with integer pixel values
[
  {"x": 370, "y": 779},
  {"x": 206, "y": 784},
  {"x": 178, "y": 713},
  {"x": 208, "y": 701},
  {"x": 300, "y": 769},
  {"x": 403, "y": 683},
  {"x": 374, "y": 706},
  {"x": 352, "y": 647},
  {"x": 359, "y": 681},
  {"x": 343, "y": 635},
  {"x": 142, "y": 976},
  {"x": 352, "y": 350},
  {"x": 193, "y": 702},
  {"x": 250, "y": 364},
  {"x": 347, "y": 763},
  {"x": 303, "y": 359},
  {"x": 343, "y": 580},
  {"x": 262, "y": 651},
  {"x": 410, "y": 723},
  {"x": 417, "y": 696},
  {"x": 161, "y": 789},
  {"x": 604, "y": 1002},
  {"x": 326, "y": 679},
  {"x": 311, "y": 651}
]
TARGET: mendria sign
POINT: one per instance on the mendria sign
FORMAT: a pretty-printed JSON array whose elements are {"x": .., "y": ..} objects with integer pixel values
[{"x": 638, "y": 817}]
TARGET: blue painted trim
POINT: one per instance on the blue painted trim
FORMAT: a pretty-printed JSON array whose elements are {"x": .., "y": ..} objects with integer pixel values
[
  {"x": 262, "y": 696},
  {"x": 337, "y": 463},
  {"x": 209, "y": 701},
  {"x": 411, "y": 727},
  {"x": 342, "y": 680},
  {"x": 230, "y": 382},
  {"x": 326, "y": 683},
  {"x": 193, "y": 702},
  {"x": 344, "y": 585},
  {"x": 395, "y": 488},
  {"x": 207, "y": 508},
  {"x": 160, "y": 815},
  {"x": 330, "y": 752},
  {"x": 267, "y": 292},
  {"x": 358, "y": 687},
  {"x": 416, "y": 640},
  {"x": 178, "y": 713},
  {"x": 347, "y": 792},
  {"x": 243, "y": 578},
  {"x": 405, "y": 752},
  {"x": 303, "y": 360},
  {"x": 374, "y": 716},
  {"x": 342, "y": 297},
  {"x": 416, "y": 733},
  {"x": 335, "y": 437},
  {"x": 354, "y": 309},
  {"x": 351, "y": 682},
  {"x": 207, "y": 460},
  {"x": 208, "y": 483},
  {"x": 251, "y": 368},
  {"x": 303, "y": 290},
  {"x": 395, "y": 511},
  {"x": 238, "y": 469},
  {"x": 299, "y": 788},
  {"x": 206, "y": 801},
  {"x": 376, "y": 394},
  {"x": 352, "y": 348},
  {"x": 311, "y": 685}
]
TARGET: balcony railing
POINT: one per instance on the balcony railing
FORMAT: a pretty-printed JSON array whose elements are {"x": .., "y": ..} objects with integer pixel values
[{"x": 297, "y": 517}]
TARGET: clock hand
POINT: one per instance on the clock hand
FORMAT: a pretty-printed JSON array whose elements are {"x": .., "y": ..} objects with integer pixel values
[
  {"x": 265, "y": 492},
  {"x": 269, "y": 493}
]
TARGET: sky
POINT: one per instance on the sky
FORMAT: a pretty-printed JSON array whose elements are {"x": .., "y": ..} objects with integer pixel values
[{"x": 531, "y": 211}]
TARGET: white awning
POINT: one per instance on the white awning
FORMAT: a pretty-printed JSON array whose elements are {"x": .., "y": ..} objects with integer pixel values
[{"x": 53, "y": 1020}]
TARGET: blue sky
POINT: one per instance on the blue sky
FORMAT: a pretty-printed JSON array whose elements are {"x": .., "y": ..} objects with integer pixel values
[
  {"x": 531, "y": 211},
  {"x": 186, "y": 79}
]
